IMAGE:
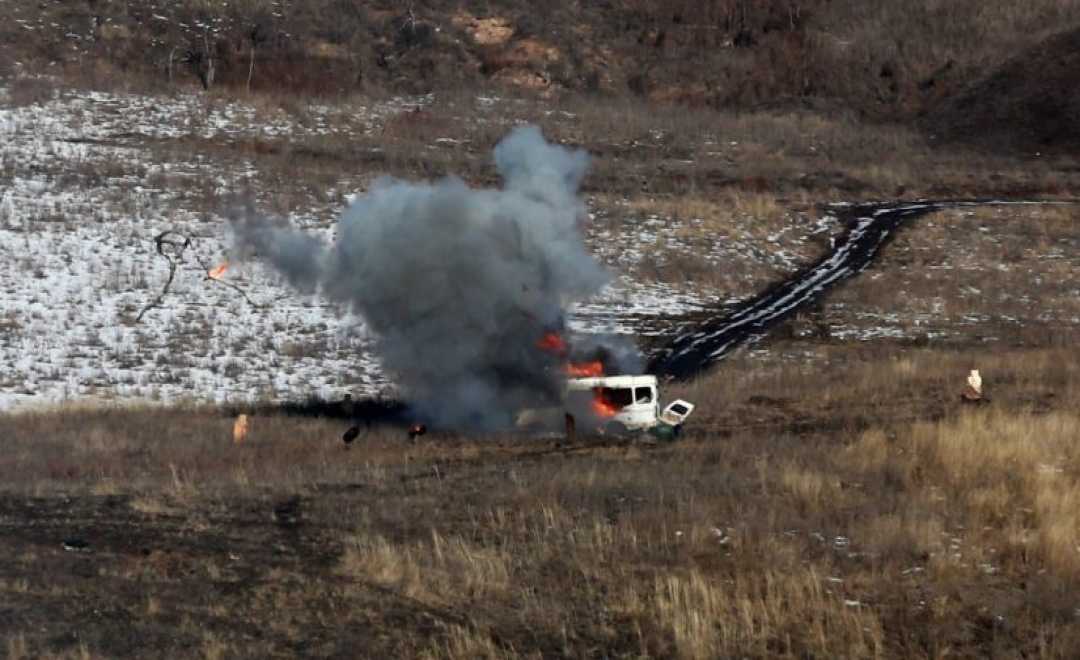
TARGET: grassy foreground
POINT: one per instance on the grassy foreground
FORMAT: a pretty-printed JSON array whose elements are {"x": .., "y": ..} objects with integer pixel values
[{"x": 847, "y": 507}]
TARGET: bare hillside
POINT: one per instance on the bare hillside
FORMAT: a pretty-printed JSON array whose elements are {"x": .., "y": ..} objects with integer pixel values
[
  {"x": 1031, "y": 101},
  {"x": 885, "y": 60}
]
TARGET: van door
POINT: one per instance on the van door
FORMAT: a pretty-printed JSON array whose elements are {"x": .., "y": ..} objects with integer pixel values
[{"x": 676, "y": 412}]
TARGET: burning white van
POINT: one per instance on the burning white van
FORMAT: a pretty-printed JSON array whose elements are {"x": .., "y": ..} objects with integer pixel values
[{"x": 612, "y": 404}]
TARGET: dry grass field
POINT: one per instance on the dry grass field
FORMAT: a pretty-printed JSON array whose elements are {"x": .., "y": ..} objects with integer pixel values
[{"x": 847, "y": 507}]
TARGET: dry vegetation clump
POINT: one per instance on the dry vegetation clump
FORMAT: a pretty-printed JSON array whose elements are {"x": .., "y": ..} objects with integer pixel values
[
  {"x": 441, "y": 570},
  {"x": 706, "y": 619},
  {"x": 763, "y": 213},
  {"x": 1014, "y": 473},
  {"x": 848, "y": 507}
]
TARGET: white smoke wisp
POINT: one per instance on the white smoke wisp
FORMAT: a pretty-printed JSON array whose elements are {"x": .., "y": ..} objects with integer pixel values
[{"x": 458, "y": 284}]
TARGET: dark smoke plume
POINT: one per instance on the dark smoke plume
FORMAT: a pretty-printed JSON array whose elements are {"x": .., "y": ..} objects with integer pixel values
[{"x": 459, "y": 285}]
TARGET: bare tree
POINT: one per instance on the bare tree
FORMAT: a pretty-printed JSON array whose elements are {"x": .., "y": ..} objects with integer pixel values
[
  {"x": 208, "y": 81},
  {"x": 255, "y": 18}
]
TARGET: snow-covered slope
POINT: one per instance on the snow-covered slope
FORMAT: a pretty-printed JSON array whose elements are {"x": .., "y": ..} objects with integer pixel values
[{"x": 85, "y": 186}]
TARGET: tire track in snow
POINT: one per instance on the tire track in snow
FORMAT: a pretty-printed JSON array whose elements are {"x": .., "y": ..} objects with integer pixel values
[{"x": 705, "y": 338}]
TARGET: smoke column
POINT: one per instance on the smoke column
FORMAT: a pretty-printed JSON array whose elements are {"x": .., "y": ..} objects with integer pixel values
[{"x": 458, "y": 284}]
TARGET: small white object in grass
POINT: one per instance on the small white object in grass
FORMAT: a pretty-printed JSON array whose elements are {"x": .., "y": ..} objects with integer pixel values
[
  {"x": 975, "y": 381},
  {"x": 76, "y": 545}
]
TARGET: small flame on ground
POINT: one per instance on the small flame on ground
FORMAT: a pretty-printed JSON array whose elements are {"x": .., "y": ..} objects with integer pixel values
[
  {"x": 240, "y": 429},
  {"x": 552, "y": 343},
  {"x": 601, "y": 406},
  {"x": 585, "y": 369},
  {"x": 217, "y": 272}
]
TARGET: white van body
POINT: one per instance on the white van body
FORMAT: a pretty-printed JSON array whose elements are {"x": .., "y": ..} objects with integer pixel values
[
  {"x": 637, "y": 398},
  {"x": 635, "y": 401}
]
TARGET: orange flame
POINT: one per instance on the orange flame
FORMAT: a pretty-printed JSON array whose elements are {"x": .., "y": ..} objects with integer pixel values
[
  {"x": 240, "y": 429},
  {"x": 217, "y": 272},
  {"x": 585, "y": 369},
  {"x": 552, "y": 343},
  {"x": 601, "y": 406}
]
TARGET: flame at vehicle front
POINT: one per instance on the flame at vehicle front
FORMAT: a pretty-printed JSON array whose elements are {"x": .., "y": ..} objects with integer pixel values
[{"x": 601, "y": 406}]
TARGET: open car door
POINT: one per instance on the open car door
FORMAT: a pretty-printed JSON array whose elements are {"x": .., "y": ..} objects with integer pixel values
[{"x": 676, "y": 412}]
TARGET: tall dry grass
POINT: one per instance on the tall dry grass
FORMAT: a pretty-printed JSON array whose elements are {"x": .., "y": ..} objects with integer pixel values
[
  {"x": 772, "y": 613},
  {"x": 1016, "y": 472},
  {"x": 849, "y": 506}
]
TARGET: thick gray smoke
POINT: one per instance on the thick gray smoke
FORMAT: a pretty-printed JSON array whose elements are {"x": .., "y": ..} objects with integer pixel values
[{"x": 458, "y": 284}]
